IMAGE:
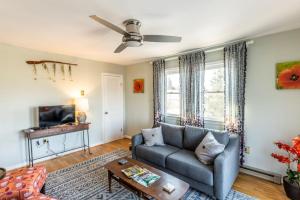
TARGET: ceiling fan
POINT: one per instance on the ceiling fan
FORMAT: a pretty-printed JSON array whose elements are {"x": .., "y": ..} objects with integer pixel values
[{"x": 132, "y": 36}]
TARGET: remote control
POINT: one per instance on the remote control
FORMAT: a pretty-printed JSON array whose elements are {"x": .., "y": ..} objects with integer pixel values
[{"x": 122, "y": 161}]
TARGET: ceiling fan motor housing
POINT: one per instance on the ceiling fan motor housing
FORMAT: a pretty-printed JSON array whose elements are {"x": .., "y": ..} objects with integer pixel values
[
  {"x": 132, "y": 26},
  {"x": 134, "y": 39}
]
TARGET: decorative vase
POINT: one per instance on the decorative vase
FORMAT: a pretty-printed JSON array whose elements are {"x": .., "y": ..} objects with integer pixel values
[
  {"x": 292, "y": 190},
  {"x": 81, "y": 117}
]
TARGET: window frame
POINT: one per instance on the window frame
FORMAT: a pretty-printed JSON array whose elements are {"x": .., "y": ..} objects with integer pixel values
[{"x": 211, "y": 122}]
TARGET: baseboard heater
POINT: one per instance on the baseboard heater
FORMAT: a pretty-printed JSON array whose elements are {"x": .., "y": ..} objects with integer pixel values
[{"x": 275, "y": 178}]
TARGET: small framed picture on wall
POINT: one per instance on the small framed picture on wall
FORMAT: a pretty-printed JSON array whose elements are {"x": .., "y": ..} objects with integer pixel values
[
  {"x": 138, "y": 85},
  {"x": 288, "y": 75}
]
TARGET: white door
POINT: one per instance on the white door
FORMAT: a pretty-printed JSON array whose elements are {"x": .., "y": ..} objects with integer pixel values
[{"x": 113, "y": 106}]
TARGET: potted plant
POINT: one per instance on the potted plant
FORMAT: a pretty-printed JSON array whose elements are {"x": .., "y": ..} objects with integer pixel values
[{"x": 291, "y": 182}]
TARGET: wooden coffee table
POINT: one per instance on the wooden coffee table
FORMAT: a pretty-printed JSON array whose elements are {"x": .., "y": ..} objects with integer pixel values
[{"x": 155, "y": 190}]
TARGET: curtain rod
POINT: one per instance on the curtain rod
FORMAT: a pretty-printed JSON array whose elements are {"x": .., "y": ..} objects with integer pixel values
[{"x": 205, "y": 49}]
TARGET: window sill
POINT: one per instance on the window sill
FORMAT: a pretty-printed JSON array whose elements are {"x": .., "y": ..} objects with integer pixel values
[{"x": 170, "y": 115}]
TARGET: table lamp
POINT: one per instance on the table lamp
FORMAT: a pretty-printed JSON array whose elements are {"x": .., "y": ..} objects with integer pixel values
[{"x": 82, "y": 105}]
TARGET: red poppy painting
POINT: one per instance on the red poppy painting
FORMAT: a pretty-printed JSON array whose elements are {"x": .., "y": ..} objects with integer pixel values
[
  {"x": 138, "y": 85},
  {"x": 288, "y": 75}
]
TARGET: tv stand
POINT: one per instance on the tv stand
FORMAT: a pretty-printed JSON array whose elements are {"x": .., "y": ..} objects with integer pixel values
[{"x": 33, "y": 133}]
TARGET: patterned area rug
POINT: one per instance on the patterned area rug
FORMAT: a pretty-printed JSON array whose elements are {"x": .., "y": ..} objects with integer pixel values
[{"x": 88, "y": 180}]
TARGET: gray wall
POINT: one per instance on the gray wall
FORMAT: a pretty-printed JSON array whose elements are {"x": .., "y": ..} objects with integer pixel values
[
  {"x": 20, "y": 94},
  {"x": 139, "y": 106},
  {"x": 271, "y": 114}
]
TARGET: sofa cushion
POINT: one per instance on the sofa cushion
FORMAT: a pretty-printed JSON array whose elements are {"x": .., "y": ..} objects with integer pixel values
[
  {"x": 208, "y": 149},
  {"x": 194, "y": 135},
  {"x": 153, "y": 136},
  {"x": 173, "y": 134},
  {"x": 185, "y": 163},
  {"x": 11, "y": 186},
  {"x": 221, "y": 136},
  {"x": 155, "y": 154}
]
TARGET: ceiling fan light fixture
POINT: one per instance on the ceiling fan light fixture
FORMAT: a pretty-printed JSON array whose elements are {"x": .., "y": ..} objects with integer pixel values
[{"x": 134, "y": 43}]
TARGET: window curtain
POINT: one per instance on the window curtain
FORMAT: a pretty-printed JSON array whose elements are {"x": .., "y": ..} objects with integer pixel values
[
  {"x": 235, "y": 57},
  {"x": 159, "y": 91},
  {"x": 191, "y": 70}
]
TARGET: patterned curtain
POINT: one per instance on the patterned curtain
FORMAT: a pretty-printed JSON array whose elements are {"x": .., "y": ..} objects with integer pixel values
[
  {"x": 191, "y": 70},
  {"x": 235, "y": 57},
  {"x": 159, "y": 91}
]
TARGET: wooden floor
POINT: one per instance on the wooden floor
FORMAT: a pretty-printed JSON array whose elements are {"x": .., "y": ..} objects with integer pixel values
[{"x": 250, "y": 185}]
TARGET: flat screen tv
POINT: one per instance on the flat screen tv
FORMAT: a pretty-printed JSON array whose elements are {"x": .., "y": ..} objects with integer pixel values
[{"x": 56, "y": 115}]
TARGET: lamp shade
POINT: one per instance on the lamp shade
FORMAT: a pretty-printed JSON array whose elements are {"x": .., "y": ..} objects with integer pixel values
[{"x": 82, "y": 104}]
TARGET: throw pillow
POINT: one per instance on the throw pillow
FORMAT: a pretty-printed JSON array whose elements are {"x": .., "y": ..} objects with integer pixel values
[
  {"x": 153, "y": 136},
  {"x": 208, "y": 149}
]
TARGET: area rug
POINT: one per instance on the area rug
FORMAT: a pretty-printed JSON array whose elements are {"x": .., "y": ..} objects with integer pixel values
[{"x": 88, "y": 180}]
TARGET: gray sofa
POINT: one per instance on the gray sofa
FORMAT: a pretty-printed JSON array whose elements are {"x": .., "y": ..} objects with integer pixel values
[{"x": 177, "y": 157}]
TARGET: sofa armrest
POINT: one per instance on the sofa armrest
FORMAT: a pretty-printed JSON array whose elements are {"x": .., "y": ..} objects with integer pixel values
[
  {"x": 226, "y": 167},
  {"x": 135, "y": 141}
]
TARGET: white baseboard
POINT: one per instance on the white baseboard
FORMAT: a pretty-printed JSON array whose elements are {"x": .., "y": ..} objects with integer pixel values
[
  {"x": 16, "y": 166},
  {"x": 23, "y": 164},
  {"x": 128, "y": 136},
  {"x": 273, "y": 177}
]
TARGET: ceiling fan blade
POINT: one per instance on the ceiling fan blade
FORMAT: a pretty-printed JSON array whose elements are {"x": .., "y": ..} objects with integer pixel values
[
  {"x": 161, "y": 38},
  {"x": 109, "y": 25},
  {"x": 120, "y": 48}
]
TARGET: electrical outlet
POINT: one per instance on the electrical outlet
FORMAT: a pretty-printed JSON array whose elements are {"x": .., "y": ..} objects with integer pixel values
[
  {"x": 45, "y": 141},
  {"x": 247, "y": 149}
]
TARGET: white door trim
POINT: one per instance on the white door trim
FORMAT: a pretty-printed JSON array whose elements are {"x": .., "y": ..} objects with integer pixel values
[{"x": 102, "y": 98}]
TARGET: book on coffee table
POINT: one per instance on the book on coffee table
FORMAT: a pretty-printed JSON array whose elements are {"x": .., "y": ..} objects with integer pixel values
[
  {"x": 132, "y": 171},
  {"x": 141, "y": 175},
  {"x": 146, "y": 178}
]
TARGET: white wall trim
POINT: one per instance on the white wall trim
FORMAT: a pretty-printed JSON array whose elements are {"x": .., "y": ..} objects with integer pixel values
[
  {"x": 23, "y": 164},
  {"x": 128, "y": 136},
  {"x": 270, "y": 176}
]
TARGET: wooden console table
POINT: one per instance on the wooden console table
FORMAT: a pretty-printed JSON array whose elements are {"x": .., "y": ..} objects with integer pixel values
[{"x": 32, "y": 134}]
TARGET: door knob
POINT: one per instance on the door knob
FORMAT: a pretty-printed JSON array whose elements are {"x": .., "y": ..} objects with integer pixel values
[{"x": 106, "y": 113}]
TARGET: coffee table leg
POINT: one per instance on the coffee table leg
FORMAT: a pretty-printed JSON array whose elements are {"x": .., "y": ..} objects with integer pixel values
[
  {"x": 140, "y": 195},
  {"x": 109, "y": 181}
]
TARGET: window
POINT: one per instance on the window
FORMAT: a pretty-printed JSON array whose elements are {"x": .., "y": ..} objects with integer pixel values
[
  {"x": 214, "y": 92},
  {"x": 172, "y": 92},
  {"x": 213, "y": 96}
]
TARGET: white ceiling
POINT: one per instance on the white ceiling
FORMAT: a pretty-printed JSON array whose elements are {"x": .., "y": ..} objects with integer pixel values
[{"x": 63, "y": 26}]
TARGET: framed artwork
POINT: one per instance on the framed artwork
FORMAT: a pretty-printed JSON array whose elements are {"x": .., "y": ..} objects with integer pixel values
[
  {"x": 138, "y": 86},
  {"x": 288, "y": 75}
]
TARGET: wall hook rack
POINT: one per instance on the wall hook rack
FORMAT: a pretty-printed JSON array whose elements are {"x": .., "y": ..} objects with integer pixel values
[
  {"x": 31, "y": 62},
  {"x": 44, "y": 63}
]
